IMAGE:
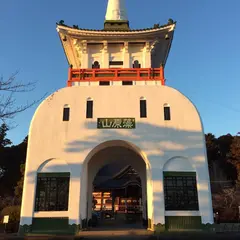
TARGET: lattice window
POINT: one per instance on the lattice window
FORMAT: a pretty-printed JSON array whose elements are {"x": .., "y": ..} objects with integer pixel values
[
  {"x": 180, "y": 193},
  {"x": 52, "y": 192}
]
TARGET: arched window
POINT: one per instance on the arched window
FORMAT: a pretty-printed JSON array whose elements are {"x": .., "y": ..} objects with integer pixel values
[
  {"x": 167, "y": 112},
  {"x": 89, "y": 110},
  {"x": 66, "y": 112},
  {"x": 96, "y": 64},
  {"x": 143, "y": 107},
  {"x": 136, "y": 64}
]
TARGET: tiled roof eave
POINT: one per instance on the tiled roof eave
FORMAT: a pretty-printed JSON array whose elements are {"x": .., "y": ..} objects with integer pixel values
[{"x": 75, "y": 31}]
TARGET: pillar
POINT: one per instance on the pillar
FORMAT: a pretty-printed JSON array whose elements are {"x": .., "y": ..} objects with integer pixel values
[
  {"x": 204, "y": 194},
  {"x": 146, "y": 56},
  {"x": 74, "y": 199},
  {"x": 84, "y": 55},
  {"x": 105, "y": 55},
  {"x": 126, "y": 56}
]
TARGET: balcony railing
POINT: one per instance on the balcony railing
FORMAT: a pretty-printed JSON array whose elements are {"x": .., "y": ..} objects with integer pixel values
[{"x": 116, "y": 74}]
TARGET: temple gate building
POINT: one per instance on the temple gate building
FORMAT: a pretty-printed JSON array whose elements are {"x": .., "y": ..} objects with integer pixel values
[{"x": 116, "y": 115}]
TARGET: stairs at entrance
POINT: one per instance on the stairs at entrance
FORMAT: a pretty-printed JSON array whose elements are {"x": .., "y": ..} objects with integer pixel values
[
  {"x": 116, "y": 234},
  {"x": 120, "y": 221}
]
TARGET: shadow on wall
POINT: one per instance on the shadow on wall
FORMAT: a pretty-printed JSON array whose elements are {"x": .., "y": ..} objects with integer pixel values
[{"x": 159, "y": 143}]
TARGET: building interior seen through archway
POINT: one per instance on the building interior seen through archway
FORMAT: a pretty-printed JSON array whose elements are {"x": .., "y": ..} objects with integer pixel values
[
  {"x": 118, "y": 188},
  {"x": 117, "y": 194}
]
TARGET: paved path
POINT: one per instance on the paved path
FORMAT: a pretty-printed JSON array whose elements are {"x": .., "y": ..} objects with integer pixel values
[{"x": 118, "y": 236}]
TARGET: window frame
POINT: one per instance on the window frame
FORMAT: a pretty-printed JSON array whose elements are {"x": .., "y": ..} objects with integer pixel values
[
  {"x": 136, "y": 64},
  {"x": 143, "y": 108},
  {"x": 96, "y": 65},
  {"x": 45, "y": 192},
  {"x": 127, "y": 83},
  {"x": 167, "y": 112},
  {"x": 115, "y": 63},
  {"x": 104, "y": 83},
  {"x": 180, "y": 191},
  {"x": 89, "y": 109},
  {"x": 66, "y": 114}
]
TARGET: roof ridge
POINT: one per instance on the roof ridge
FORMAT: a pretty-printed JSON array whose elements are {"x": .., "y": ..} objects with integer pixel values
[{"x": 156, "y": 26}]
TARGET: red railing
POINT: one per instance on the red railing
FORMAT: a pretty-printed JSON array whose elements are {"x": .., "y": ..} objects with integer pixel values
[{"x": 116, "y": 74}]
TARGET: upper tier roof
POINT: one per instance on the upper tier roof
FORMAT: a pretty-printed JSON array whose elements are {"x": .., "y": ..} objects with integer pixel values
[
  {"x": 74, "y": 40},
  {"x": 170, "y": 26}
]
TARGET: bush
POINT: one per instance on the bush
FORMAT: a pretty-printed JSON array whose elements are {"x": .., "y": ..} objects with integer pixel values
[{"x": 13, "y": 212}]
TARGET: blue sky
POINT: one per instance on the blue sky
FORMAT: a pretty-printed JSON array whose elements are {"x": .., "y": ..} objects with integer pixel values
[{"x": 203, "y": 64}]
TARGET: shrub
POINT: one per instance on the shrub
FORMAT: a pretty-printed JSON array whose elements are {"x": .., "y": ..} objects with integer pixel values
[{"x": 13, "y": 212}]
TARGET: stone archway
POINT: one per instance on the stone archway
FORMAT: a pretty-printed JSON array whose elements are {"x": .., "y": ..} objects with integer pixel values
[{"x": 105, "y": 153}]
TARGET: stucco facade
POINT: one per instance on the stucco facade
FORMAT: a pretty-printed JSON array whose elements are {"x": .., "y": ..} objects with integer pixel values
[{"x": 57, "y": 146}]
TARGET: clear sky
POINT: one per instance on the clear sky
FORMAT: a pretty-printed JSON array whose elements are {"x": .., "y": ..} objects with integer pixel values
[{"x": 204, "y": 61}]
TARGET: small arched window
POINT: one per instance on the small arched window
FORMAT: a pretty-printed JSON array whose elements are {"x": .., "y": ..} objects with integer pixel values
[
  {"x": 143, "y": 107},
  {"x": 136, "y": 64},
  {"x": 89, "y": 110},
  {"x": 96, "y": 65},
  {"x": 66, "y": 112},
  {"x": 167, "y": 112}
]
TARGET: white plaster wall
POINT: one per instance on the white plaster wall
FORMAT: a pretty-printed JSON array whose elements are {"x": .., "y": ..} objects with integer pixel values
[
  {"x": 54, "y": 165},
  {"x": 95, "y": 54},
  {"x": 159, "y": 140},
  {"x": 116, "y": 52},
  {"x": 136, "y": 53},
  {"x": 178, "y": 164}
]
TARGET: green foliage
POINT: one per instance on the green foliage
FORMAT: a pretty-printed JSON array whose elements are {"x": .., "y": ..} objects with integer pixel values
[
  {"x": 4, "y": 141},
  {"x": 13, "y": 212},
  {"x": 234, "y": 156},
  {"x": 19, "y": 188},
  {"x": 212, "y": 148},
  {"x": 11, "y": 159},
  {"x": 5, "y": 201},
  {"x": 218, "y": 151}
]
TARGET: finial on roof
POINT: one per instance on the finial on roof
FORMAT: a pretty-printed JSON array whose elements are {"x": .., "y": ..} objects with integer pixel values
[
  {"x": 116, "y": 11},
  {"x": 116, "y": 16}
]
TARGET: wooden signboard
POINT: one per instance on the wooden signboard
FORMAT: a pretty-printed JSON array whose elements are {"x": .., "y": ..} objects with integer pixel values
[{"x": 116, "y": 123}]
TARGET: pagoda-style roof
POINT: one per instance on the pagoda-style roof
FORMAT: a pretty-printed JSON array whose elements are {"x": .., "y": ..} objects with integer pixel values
[
  {"x": 75, "y": 31},
  {"x": 75, "y": 40}
]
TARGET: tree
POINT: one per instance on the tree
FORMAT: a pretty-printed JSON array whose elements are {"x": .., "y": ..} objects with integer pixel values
[
  {"x": 212, "y": 149},
  {"x": 19, "y": 188},
  {"x": 4, "y": 141},
  {"x": 11, "y": 160},
  {"x": 224, "y": 143},
  {"x": 13, "y": 212},
  {"x": 234, "y": 156},
  {"x": 8, "y": 90}
]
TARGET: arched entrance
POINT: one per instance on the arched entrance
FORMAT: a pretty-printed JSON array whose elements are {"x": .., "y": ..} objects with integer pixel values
[{"x": 127, "y": 155}]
